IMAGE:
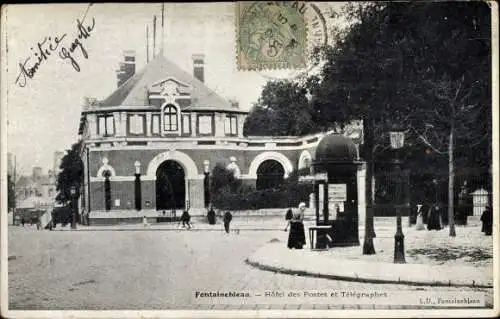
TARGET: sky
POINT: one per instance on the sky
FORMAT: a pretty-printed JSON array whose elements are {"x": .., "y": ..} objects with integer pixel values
[{"x": 43, "y": 116}]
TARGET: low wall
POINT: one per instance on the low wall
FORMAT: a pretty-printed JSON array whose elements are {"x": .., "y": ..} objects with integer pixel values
[{"x": 114, "y": 217}]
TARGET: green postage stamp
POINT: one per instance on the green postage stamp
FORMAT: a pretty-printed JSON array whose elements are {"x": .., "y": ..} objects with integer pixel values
[{"x": 271, "y": 35}]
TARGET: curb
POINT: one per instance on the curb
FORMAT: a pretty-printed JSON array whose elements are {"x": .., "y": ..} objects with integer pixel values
[
  {"x": 357, "y": 278},
  {"x": 167, "y": 229}
]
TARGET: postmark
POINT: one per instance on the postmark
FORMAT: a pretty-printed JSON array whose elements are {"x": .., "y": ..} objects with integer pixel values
[{"x": 271, "y": 35}]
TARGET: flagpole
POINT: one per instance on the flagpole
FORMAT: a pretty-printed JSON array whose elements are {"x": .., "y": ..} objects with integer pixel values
[
  {"x": 162, "y": 27},
  {"x": 147, "y": 44},
  {"x": 154, "y": 36}
]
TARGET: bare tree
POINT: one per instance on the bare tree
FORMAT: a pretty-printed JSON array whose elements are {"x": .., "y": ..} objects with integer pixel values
[{"x": 451, "y": 117}]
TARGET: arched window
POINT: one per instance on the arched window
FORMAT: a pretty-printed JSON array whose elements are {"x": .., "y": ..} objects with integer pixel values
[{"x": 170, "y": 118}]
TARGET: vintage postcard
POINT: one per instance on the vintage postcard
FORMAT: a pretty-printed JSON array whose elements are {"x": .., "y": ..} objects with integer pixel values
[{"x": 249, "y": 159}]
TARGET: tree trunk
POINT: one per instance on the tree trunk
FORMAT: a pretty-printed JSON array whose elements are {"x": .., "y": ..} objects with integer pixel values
[
  {"x": 372, "y": 193},
  {"x": 451, "y": 182},
  {"x": 368, "y": 247}
]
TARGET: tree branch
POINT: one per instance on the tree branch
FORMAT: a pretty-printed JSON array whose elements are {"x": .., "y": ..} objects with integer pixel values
[{"x": 425, "y": 140}]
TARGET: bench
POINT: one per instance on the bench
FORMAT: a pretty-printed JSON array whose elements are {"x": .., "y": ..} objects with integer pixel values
[{"x": 314, "y": 231}]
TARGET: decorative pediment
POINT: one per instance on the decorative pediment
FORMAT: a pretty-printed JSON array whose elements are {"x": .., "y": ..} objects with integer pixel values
[{"x": 170, "y": 87}]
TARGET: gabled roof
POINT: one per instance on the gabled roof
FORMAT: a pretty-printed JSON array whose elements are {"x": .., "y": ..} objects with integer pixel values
[{"x": 134, "y": 92}]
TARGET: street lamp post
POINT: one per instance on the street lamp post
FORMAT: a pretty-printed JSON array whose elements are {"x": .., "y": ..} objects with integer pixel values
[
  {"x": 72, "y": 191},
  {"x": 206, "y": 168},
  {"x": 138, "y": 195},
  {"x": 397, "y": 137}
]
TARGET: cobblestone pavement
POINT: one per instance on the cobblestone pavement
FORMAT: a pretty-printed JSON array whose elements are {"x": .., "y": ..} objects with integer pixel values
[{"x": 151, "y": 270}]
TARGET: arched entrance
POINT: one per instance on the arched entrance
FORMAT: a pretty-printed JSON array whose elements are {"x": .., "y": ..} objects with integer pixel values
[
  {"x": 270, "y": 174},
  {"x": 170, "y": 186}
]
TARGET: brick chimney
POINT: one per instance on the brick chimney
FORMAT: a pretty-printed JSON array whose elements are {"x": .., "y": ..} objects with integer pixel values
[
  {"x": 199, "y": 66},
  {"x": 127, "y": 67},
  {"x": 234, "y": 103}
]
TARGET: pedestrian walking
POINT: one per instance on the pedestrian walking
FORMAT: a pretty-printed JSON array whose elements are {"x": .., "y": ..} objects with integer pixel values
[
  {"x": 38, "y": 224},
  {"x": 145, "y": 221},
  {"x": 288, "y": 217},
  {"x": 23, "y": 221},
  {"x": 186, "y": 219},
  {"x": 487, "y": 220},
  {"x": 297, "y": 236},
  {"x": 227, "y": 221}
]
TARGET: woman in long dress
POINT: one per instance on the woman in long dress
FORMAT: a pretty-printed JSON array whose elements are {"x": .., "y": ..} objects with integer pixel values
[
  {"x": 297, "y": 236},
  {"x": 420, "y": 218},
  {"x": 288, "y": 217},
  {"x": 434, "y": 219}
]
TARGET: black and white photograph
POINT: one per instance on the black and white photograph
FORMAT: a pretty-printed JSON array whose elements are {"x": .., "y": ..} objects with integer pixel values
[{"x": 255, "y": 159}]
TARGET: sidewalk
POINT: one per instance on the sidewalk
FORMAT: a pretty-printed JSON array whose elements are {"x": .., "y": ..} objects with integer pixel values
[
  {"x": 238, "y": 224},
  {"x": 276, "y": 257}
]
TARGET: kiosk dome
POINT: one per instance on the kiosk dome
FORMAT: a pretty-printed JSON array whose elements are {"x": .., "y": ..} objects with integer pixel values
[{"x": 336, "y": 148}]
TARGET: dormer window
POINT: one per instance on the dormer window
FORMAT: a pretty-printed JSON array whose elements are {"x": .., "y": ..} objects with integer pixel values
[{"x": 170, "y": 120}]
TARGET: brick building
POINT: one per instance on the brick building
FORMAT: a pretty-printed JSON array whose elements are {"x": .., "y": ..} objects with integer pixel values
[{"x": 151, "y": 145}]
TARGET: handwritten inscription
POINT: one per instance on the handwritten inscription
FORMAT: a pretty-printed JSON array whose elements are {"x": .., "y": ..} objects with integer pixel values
[{"x": 54, "y": 44}]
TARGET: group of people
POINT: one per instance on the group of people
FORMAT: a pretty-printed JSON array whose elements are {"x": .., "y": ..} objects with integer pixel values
[
  {"x": 434, "y": 219},
  {"x": 226, "y": 219}
]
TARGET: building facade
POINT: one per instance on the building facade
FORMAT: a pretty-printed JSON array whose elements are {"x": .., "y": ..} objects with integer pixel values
[
  {"x": 36, "y": 192},
  {"x": 152, "y": 144}
]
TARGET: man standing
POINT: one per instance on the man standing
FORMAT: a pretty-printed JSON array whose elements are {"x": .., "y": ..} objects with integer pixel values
[
  {"x": 227, "y": 220},
  {"x": 487, "y": 220}
]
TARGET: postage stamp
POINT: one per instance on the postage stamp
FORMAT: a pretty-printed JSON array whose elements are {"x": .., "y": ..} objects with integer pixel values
[
  {"x": 271, "y": 35},
  {"x": 202, "y": 160}
]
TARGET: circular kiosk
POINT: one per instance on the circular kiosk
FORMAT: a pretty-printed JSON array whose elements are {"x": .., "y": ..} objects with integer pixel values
[{"x": 336, "y": 192}]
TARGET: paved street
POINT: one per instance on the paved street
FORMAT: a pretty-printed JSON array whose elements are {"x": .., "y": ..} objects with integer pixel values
[{"x": 149, "y": 270}]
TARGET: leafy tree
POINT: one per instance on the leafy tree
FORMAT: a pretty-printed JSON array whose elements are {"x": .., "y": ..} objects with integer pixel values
[
  {"x": 398, "y": 63},
  {"x": 282, "y": 109},
  {"x": 223, "y": 178},
  {"x": 228, "y": 192},
  {"x": 11, "y": 203},
  {"x": 71, "y": 174}
]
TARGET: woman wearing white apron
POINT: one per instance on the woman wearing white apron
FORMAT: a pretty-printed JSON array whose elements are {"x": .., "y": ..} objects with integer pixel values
[{"x": 420, "y": 218}]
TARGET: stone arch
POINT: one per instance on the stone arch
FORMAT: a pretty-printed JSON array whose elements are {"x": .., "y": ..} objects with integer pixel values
[
  {"x": 189, "y": 166},
  {"x": 105, "y": 167},
  {"x": 305, "y": 159},
  {"x": 259, "y": 159}
]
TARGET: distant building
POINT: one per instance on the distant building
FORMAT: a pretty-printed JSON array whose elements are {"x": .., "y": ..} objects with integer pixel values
[
  {"x": 10, "y": 164},
  {"x": 152, "y": 144},
  {"x": 37, "y": 191}
]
